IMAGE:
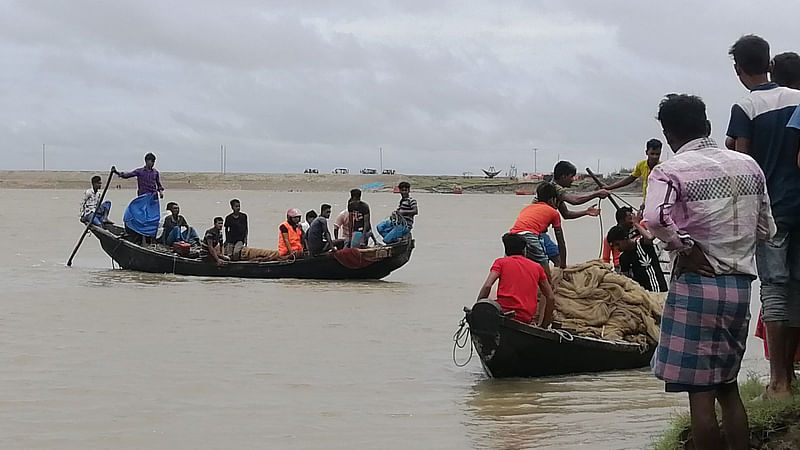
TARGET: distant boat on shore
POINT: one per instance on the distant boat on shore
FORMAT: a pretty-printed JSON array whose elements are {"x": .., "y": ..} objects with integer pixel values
[{"x": 491, "y": 172}]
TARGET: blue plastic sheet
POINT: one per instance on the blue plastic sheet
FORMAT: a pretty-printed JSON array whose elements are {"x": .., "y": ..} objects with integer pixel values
[{"x": 143, "y": 214}]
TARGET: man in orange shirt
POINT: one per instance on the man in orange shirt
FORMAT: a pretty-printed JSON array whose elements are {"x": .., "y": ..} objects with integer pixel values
[
  {"x": 520, "y": 279},
  {"x": 534, "y": 220}
]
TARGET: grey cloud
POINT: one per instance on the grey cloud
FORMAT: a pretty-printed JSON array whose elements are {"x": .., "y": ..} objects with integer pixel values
[{"x": 441, "y": 86}]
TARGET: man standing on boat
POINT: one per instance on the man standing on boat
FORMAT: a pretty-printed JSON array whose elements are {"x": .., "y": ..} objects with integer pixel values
[
  {"x": 563, "y": 174},
  {"x": 360, "y": 225},
  {"x": 643, "y": 168},
  {"x": 710, "y": 206},
  {"x": 235, "y": 228},
  {"x": 144, "y": 212},
  {"x": 519, "y": 282},
  {"x": 147, "y": 177},
  {"x": 534, "y": 220}
]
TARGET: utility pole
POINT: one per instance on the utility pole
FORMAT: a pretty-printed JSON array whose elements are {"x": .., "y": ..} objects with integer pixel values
[
  {"x": 598, "y": 165},
  {"x": 44, "y": 158},
  {"x": 535, "y": 162},
  {"x": 381, "y": 151},
  {"x": 224, "y": 159},
  {"x": 220, "y": 159}
]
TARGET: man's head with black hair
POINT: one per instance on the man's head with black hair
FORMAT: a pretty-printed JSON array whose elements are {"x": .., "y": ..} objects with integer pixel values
[
  {"x": 547, "y": 193},
  {"x": 618, "y": 239},
  {"x": 786, "y": 70},
  {"x": 625, "y": 217},
  {"x": 683, "y": 119},
  {"x": 564, "y": 172},
  {"x": 514, "y": 244},
  {"x": 750, "y": 55}
]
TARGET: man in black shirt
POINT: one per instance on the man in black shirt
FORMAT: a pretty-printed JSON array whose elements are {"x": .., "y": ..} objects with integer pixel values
[
  {"x": 212, "y": 243},
  {"x": 638, "y": 258},
  {"x": 360, "y": 226},
  {"x": 235, "y": 228},
  {"x": 319, "y": 238}
]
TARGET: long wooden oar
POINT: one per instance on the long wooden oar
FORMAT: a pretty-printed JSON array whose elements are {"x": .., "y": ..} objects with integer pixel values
[
  {"x": 600, "y": 185},
  {"x": 86, "y": 230}
]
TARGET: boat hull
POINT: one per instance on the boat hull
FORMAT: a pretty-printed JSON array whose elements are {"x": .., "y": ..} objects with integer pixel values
[
  {"x": 135, "y": 257},
  {"x": 508, "y": 348}
]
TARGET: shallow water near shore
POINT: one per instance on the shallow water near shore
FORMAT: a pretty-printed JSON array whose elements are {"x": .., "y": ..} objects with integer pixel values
[{"x": 94, "y": 357}]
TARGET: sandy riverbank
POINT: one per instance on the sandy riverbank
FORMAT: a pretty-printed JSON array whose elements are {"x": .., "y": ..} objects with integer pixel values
[{"x": 19, "y": 179}]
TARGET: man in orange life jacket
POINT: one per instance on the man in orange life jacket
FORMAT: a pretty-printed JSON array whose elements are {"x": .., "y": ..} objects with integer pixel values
[{"x": 290, "y": 241}]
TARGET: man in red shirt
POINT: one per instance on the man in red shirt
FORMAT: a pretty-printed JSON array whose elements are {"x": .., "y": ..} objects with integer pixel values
[{"x": 520, "y": 280}]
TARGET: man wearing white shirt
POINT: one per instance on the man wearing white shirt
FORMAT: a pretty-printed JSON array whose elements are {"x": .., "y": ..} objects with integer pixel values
[{"x": 90, "y": 210}]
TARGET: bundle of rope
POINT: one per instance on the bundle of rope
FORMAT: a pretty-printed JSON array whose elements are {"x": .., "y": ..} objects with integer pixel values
[{"x": 592, "y": 300}]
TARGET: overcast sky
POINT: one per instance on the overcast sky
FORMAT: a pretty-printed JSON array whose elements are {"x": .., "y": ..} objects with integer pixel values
[{"x": 442, "y": 87}]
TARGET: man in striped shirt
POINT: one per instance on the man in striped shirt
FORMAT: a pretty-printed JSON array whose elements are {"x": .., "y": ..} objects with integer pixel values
[{"x": 402, "y": 220}]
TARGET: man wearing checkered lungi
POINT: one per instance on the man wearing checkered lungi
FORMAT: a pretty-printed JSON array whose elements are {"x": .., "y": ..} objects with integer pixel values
[{"x": 711, "y": 207}]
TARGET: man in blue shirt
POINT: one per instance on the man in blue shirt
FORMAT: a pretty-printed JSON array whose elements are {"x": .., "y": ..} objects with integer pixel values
[{"x": 758, "y": 126}]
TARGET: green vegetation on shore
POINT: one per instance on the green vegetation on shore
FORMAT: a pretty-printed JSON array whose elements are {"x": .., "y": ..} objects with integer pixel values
[
  {"x": 774, "y": 424},
  {"x": 12, "y": 179}
]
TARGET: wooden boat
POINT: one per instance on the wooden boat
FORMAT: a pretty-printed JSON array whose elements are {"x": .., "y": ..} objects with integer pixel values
[
  {"x": 508, "y": 348},
  {"x": 131, "y": 256}
]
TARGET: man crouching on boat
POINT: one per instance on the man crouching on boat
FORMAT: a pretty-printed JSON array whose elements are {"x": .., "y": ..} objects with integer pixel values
[{"x": 520, "y": 280}]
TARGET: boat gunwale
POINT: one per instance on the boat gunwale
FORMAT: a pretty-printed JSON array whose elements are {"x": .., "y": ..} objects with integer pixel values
[{"x": 553, "y": 335}]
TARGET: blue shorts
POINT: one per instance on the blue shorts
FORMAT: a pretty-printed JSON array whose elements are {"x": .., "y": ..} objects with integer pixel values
[
  {"x": 550, "y": 247},
  {"x": 355, "y": 241}
]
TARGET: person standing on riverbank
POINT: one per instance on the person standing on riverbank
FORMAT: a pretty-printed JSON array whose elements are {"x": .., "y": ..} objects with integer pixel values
[
  {"x": 758, "y": 124},
  {"x": 711, "y": 207}
]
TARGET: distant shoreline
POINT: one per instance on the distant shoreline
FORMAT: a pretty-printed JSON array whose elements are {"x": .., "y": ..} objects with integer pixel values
[{"x": 30, "y": 179}]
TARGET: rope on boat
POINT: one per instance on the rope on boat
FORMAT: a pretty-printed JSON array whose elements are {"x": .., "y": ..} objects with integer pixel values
[
  {"x": 461, "y": 338},
  {"x": 602, "y": 230},
  {"x": 563, "y": 335},
  {"x": 114, "y": 252}
]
